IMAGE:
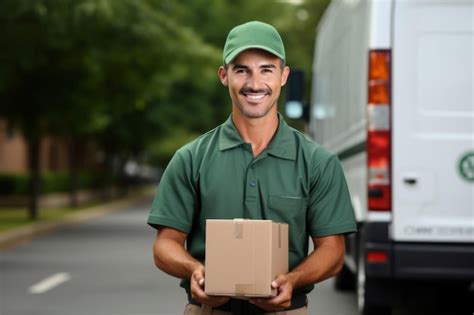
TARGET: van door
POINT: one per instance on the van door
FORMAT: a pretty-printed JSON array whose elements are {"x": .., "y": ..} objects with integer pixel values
[{"x": 432, "y": 121}]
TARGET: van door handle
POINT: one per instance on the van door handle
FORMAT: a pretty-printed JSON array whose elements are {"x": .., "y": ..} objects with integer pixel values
[{"x": 410, "y": 181}]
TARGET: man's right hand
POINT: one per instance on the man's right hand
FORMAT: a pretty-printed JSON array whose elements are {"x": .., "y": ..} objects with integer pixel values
[{"x": 197, "y": 290}]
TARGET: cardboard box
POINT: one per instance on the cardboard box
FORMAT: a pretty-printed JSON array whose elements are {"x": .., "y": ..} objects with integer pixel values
[{"x": 244, "y": 256}]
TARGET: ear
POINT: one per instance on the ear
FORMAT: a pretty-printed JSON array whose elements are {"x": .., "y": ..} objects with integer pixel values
[
  {"x": 284, "y": 75},
  {"x": 222, "y": 73}
]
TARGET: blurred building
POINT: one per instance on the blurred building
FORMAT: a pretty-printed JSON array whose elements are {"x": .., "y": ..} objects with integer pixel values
[{"x": 54, "y": 153}]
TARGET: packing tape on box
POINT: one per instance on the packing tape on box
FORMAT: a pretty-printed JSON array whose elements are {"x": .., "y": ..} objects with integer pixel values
[
  {"x": 238, "y": 228},
  {"x": 279, "y": 235},
  {"x": 243, "y": 289}
]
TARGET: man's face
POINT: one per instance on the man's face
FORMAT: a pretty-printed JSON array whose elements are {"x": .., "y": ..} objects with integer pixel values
[{"x": 254, "y": 79}]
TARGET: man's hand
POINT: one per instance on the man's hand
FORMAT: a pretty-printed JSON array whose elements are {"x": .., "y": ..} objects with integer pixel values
[
  {"x": 197, "y": 290},
  {"x": 283, "y": 299}
]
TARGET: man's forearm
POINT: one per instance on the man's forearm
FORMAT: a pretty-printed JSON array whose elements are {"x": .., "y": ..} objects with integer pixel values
[
  {"x": 171, "y": 257},
  {"x": 324, "y": 262}
]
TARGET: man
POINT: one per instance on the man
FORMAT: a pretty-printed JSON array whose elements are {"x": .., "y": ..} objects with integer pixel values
[{"x": 253, "y": 166}]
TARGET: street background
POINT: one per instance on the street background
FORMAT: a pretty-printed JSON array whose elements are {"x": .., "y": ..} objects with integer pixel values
[
  {"x": 110, "y": 271},
  {"x": 110, "y": 265}
]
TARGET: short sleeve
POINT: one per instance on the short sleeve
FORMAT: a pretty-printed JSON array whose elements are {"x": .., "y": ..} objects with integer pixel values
[
  {"x": 175, "y": 201},
  {"x": 329, "y": 206}
]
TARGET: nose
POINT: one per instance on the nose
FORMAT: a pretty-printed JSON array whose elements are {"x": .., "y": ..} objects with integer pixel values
[{"x": 255, "y": 82}]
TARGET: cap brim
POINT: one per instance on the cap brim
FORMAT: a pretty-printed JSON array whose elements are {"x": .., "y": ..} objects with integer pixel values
[{"x": 229, "y": 58}]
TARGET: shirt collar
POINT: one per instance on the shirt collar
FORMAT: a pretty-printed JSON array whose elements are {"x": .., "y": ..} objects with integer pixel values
[
  {"x": 229, "y": 136},
  {"x": 283, "y": 144}
]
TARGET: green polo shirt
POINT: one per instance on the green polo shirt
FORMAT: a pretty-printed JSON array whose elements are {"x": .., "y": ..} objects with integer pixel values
[{"x": 294, "y": 180}]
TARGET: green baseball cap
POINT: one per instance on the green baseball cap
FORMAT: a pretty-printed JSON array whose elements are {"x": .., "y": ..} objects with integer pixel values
[{"x": 253, "y": 35}]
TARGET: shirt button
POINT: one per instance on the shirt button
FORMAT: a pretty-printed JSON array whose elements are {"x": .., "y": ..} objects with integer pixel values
[{"x": 252, "y": 183}]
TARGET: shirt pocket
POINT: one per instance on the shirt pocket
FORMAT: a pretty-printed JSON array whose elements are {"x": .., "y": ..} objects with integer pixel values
[{"x": 289, "y": 210}]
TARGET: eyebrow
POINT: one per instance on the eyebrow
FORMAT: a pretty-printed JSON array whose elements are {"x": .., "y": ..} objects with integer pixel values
[
  {"x": 265, "y": 66},
  {"x": 239, "y": 66}
]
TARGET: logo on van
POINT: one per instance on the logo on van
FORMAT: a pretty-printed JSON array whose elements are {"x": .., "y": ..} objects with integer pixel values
[{"x": 466, "y": 166}]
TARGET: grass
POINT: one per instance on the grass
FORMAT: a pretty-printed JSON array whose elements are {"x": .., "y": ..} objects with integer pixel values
[{"x": 11, "y": 218}]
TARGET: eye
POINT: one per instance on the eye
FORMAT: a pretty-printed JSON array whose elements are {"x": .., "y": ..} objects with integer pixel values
[
  {"x": 240, "y": 71},
  {"x": 267, "y": 70}
]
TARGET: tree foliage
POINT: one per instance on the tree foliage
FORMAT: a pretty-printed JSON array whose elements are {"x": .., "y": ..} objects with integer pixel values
[{"x": 136, "y": 77}]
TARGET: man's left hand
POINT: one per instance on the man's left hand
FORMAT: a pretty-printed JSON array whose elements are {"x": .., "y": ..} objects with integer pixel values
[{"x": 283, "y": 299}]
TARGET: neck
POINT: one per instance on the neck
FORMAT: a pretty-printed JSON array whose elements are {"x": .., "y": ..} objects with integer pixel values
[{"x": 256, "y": 131}]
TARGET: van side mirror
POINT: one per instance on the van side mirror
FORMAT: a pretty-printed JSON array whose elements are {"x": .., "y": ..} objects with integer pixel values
[{"x": 294, "y": 106}]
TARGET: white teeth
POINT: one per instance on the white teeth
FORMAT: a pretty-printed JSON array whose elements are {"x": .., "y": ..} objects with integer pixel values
[{"x": 255, "y": 96}]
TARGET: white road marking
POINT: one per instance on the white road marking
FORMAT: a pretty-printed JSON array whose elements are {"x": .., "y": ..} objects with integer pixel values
[{"x": 49, "y": 283}]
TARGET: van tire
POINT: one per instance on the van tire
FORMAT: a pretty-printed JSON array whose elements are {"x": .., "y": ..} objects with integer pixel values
[
  {"x": 377, "y": 310},
  {"x": 345, "y": 280},
  {"x": 370, "y": 297}
]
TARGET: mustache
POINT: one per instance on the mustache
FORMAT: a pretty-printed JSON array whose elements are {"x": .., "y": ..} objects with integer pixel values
[{"x": 247, "y": 90}]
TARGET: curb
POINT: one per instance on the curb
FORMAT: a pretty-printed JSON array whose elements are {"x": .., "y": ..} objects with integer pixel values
[{"x": 22, "y": 235}]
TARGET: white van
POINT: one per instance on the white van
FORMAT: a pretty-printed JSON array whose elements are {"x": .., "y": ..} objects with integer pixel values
[{"x": 392, "y": 95}]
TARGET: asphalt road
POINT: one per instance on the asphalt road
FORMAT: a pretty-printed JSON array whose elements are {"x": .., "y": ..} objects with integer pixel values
[{"x": 105, "y": 267}]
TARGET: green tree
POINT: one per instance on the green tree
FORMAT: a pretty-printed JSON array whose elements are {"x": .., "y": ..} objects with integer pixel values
[
  {"x": 84, "y": 68},
  {"x": 138, "y": 78}
]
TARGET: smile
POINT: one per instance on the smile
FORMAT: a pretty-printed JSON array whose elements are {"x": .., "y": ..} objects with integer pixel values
[{"x": 255, "y": 97}]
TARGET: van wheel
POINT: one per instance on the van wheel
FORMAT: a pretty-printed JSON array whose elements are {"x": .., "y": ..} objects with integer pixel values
[
  {"x": 345, "y": 280},
  {"x": 368, "y": 291}
]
